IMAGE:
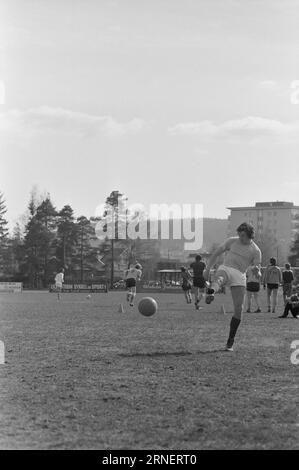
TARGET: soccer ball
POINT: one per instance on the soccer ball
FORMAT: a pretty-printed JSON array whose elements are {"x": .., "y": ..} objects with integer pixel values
[
  {"x": 88, "y": 296},
  {"x": 147, "y": 306}
]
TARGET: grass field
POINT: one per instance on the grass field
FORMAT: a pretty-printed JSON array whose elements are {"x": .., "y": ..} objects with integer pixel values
[{"x": 81, "y": 375}]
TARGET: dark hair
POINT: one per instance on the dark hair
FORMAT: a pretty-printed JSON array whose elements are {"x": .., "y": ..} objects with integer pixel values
[
  {"x": 183, "y": 269},
  {"x": 247, "y": 228},
  {"x": 288, "y": 266},
  {"x": 273, "y": 261},
  {"x": 198, "y": 258},
  {"x": 137, "y": 266}
]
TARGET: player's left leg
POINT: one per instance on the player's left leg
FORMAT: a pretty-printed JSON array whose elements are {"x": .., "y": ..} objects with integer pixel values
[
  {"x": 200, "y": 295},
  {"x": 284, "y": 294},
  {"x": 196, "y": 296},
  {"x": 257, "y": 301},
  {"x": 58, "y": 290},
  {"x": 249, "y": 297},
  {"x": 269, "y": 295},
  {"x": 238, "y": 294},
  {"x": 129, "y": 292},
  {"x": 190, "y": 295},
  {"x": 128, "y": 289},
  {"x": 274, "y": 302},
  {"x": 133, "y": 295}
]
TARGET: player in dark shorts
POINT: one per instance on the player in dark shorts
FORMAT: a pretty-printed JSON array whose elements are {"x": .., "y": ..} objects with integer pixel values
[
  {"x": 287, "y": 282},
  {"x": 130, "y": 283},
  {"x": 132, "y": 275},
  {"x": 272, "y": 281},
  {"x": 199, "y": 283},
  {"x": 253, "y": 285},
  {"x": 292, "y": 306}
]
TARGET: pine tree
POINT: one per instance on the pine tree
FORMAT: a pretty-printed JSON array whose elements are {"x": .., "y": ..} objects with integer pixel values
[
  {"x": 86, "y": 253},
  {"x": 46, "y": 217},
  {"x": 16, "y": 253},
  {"x": 39, "y": 237},
  {"x": 66, "y": 238},
  {"x": 3, "y": 221},
  {"x": 4, "y": 239},
  {"x": 115, "y": 204}
]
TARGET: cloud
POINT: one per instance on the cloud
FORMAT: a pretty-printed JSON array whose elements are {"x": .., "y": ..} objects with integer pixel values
[
  {"x": 251, "y": 127},
  {"x": 59, "y": 120}
]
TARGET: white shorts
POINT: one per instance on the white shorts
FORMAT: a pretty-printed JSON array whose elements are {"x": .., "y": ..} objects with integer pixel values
[
  {"x": 58, "y": 285},
  {"x": 235, "y": 277}
]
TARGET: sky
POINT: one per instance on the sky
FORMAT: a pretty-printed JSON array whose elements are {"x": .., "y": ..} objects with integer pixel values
[{"x": 167, "y": 101}]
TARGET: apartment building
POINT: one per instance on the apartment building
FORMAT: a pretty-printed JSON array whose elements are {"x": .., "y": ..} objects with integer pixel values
[{"x": 275, "y": 223}]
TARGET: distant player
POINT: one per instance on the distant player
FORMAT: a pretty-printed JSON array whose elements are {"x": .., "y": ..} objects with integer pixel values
[
  {"x": 292, "y": 306},
  {"x": 240, "y": 253},
  {"x": 272, "y": 281},
  {"x": 253, "y": 286},
  {"x": 186, "y": 284},
  {"x": 199, "y": 283},
  {"x": 59, "y": 280},
  {"x": 287, "y": 282},
  {"x": 132, "y": 275}
]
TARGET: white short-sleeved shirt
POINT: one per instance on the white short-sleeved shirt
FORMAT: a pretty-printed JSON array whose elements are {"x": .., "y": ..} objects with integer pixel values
[
  {"x": 240, "y": 256},
  {"x": 133, "y": 273},
  {"x": 59, "y": 278}
]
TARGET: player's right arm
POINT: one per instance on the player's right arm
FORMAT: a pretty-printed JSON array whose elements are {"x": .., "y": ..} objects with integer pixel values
[
  {"x": 280, "y": 277},
  {"x": 257, "y": 259}
]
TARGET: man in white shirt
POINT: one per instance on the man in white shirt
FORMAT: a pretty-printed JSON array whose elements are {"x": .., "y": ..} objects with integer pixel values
[
  {"x": 240, "y": 253},
  {"x": 59, "y": 279}
]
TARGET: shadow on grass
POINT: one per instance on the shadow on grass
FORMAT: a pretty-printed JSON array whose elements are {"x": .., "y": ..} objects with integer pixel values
[{"x": 174, "y": 353}]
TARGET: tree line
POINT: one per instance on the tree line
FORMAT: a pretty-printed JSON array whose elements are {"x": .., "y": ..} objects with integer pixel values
[{"x": 50, "y": 239}]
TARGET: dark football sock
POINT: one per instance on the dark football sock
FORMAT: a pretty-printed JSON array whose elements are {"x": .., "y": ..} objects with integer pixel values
[{"x": 234, "y": 325}]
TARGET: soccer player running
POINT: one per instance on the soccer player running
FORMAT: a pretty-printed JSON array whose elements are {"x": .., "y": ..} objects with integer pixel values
[
  {"x": 59, "y": 280},
  {"x": 132, "y": 275},
  {"x": 287, "y": 282},
  {"x": 240, "y": 253},
  {"x": 186, "y": 284},
  {"x": 199, "y": 283},
  {"x": 272, "y": 280}
]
